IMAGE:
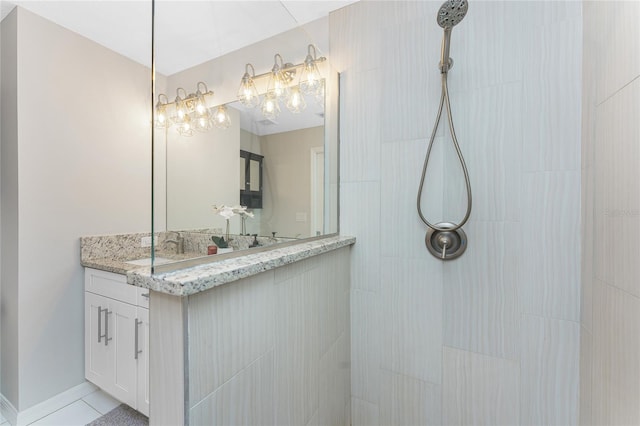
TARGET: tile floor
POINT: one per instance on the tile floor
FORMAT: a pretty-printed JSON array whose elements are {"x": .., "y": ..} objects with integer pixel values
[{"x": 78, "y": 413}]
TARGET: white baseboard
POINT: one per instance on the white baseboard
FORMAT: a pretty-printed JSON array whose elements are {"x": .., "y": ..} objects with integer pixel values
[
  {"x": 8, "y": 411},
  {"x": 45, "y": 408}
]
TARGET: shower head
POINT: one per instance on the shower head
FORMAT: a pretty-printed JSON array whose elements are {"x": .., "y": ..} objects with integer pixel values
[
  {"x": 452, "y": 12},
  {"x": 449, "y": 15}
]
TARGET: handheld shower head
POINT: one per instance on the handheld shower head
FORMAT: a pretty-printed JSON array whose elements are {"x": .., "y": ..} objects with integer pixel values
[
  {"x": 452, "y": 12},
  {"x": 449, "y": 15}
]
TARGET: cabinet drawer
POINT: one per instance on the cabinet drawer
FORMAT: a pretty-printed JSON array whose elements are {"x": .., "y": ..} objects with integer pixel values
[{"x": 110, "y": 285}]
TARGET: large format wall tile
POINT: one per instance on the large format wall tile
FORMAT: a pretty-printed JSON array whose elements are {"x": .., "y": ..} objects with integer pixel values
[
  {"x": 364, "y": 413},
  {"x": 238, "y": 317},
  {"x": 366, "y": 345},
  {"x": 410, "y": 90},
  {"x": 411, "y": 320},
  {"x": 402, "y": 232},
  {"x": 616, "y": 351},
  {"x": 617, "y": 203},
  {"x": 409, "y": 401},
  {"x": 479, "y": 390},
  {"x": 492, "y": 148},
  {"x": 360, "y": 126},
  {"x": 550, "y": 241},
  {"x": 297, "y": 350},
  {"x": 617, "y": 30},
  {"x": 360, "y": 217},
  {"x": 486, "y": 46},
  {"x": 586, "y": 368},
  {"x": 552, "y": 87},
  {"x": 549, "y": 374},
  {"x": 335, "y": 387},
  {"x": 480, "y": 292},
  {"x": 246, "y": 399}
]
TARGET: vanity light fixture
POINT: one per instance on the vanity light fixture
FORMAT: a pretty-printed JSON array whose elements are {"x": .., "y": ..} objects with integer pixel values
[
  {"x": 187, "y": 112},
  {"x": 279, "y": 85}
]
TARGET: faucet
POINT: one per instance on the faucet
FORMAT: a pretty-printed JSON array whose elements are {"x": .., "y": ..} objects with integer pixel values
[
  {"x": 255, "y": 242},
  {"x": 179, "y": 242}
]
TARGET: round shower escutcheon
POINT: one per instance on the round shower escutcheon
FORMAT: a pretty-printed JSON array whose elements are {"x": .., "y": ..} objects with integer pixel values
[{"x": 446, "y": 245}]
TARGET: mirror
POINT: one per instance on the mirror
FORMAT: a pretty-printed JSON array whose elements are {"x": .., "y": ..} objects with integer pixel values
[{"x": 286, "y": 165}]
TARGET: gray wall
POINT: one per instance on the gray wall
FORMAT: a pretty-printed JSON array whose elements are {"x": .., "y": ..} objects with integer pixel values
[
  {"x": 76, "y": 161},
  {"x": 287, "y": 179},
  {"x": 610, "y": 349},
  {"x": 493, "y": 337}
]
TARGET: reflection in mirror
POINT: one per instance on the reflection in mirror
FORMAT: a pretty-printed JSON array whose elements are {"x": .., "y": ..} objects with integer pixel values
[{"x": 283, "y": 155}]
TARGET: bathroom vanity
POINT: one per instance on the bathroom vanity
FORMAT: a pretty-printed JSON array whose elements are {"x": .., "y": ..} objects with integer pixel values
[
  {"x": 117, "y": 337},
  {"x": 260, "y": 338}
]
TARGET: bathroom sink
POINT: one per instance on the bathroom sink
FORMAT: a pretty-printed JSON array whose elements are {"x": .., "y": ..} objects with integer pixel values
[{"x": 147, "y": 261}]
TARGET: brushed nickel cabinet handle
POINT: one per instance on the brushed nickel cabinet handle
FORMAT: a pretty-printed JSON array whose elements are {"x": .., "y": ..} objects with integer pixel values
[
  {"x": 107, "y": 312},
  {"x": 137, "y": 351}
]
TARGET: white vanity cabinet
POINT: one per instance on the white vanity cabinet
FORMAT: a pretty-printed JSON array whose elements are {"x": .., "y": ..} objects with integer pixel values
[{"x": 117, "y": 337}]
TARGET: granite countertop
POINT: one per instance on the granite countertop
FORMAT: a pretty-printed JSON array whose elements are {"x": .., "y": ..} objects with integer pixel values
[
  {"x": 192, "y": 280},
  {"x": 119, "y": 265}
]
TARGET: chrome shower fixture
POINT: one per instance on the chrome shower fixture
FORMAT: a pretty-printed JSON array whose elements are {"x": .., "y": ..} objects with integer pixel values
[
  {"x": 450, "y": 15},
  {"x": 446, "y": 240}
]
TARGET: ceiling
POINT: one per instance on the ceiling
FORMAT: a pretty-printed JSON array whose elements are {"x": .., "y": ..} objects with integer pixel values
[{"x": 188, "y": 33}]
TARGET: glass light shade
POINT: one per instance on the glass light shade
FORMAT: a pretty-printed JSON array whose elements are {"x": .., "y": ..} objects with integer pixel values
[
  {"x": 310, "y": 79},
  {"x": 200, "y": 106},
  {"x": 202, "y": 123},
  {"x": 181, "y": 111},
  {"x": 185, "y": 127},
  {"x": 247, "y": 93},
  {"x": 278, "y": 85},
  {"x": 161, "y": 117},
  {"x": 221, "y": 118},
  {"x": 181, "y": 107},
  {"x": 270, "y": 108},
  {"x": 295, "y": 101}
]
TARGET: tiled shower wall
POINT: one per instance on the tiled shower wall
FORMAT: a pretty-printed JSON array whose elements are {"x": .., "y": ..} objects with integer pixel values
[
  {"x": 492, "y": 337},
  {"x": 610, "y": 349}
]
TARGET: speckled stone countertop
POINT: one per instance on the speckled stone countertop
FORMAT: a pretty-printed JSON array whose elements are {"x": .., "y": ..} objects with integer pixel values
[{"x": 192, "y": 280}]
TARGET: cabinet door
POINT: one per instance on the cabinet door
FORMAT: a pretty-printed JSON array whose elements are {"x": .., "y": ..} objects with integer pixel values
[
  {"x": 123, "y": 323},
  {"x": 143, "y": 361},
  {"x": 99, "y": 357}
]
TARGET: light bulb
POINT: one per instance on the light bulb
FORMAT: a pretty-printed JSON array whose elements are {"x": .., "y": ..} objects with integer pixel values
[
  {"x": 221, "y": 118},
  {"x": 310, "y": 79},
  {"x": 185, "y": 128},
  {"x": 161, "y": 121},
  {"x": 295, "y": 101},
  {"x": 181, "y": 107},
  {"x": 200, "y": 99},
  {"x": 279, "y": 80},
  {"x": 270, "y": 108},
  {"x": 247, "y": 93}
]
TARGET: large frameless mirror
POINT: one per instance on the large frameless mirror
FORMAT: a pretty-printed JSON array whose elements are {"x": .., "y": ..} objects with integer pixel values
[{"x": 246, "y": 139}]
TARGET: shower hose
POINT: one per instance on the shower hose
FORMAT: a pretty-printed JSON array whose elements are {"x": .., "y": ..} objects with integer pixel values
[{"x": 444, "y": 100}]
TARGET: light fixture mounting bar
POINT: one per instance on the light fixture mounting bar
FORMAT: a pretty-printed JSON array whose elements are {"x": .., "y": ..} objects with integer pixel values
[{"x": 289, "y": 67}]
